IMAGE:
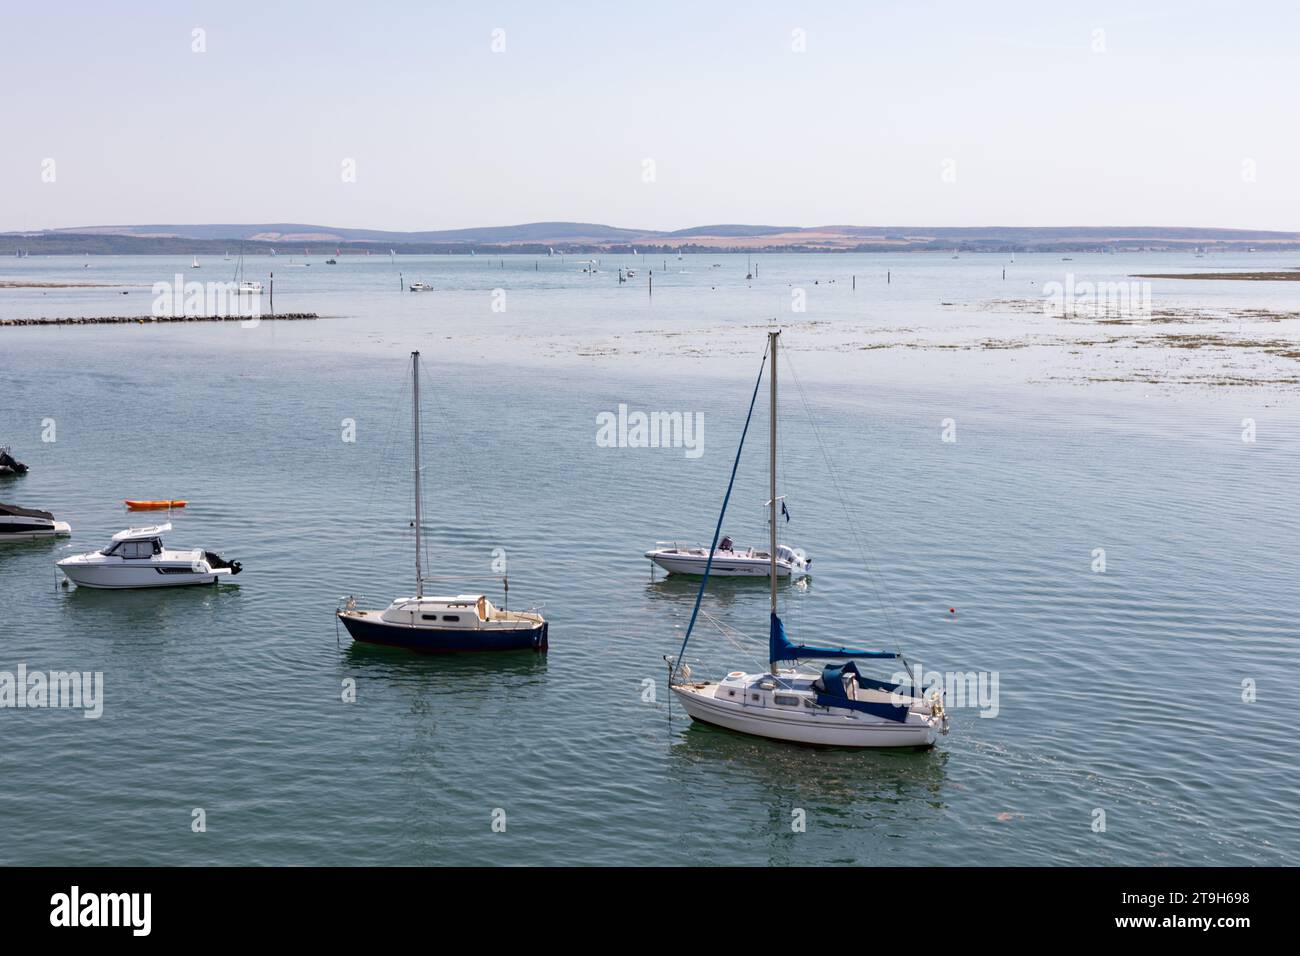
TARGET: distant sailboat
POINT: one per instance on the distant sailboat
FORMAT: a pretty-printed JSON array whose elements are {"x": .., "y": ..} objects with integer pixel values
[
  {"x": 196, "y": 263},
  {"x": 244, "y": 286}
]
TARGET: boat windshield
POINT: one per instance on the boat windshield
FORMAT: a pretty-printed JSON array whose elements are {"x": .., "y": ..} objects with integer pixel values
[{"x": 134, "y": 549}]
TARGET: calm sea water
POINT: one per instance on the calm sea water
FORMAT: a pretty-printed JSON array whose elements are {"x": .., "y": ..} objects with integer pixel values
[{"x": 1119, "y": 691}]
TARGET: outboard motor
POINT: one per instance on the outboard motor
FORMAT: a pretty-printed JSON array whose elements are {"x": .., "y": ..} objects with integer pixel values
[
  {"x": 216, "y": 561},
  {"x": 9, "y": 465}
]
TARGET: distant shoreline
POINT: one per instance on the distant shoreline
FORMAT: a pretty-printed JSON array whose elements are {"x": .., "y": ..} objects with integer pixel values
[{"x": 558, "y": 239}]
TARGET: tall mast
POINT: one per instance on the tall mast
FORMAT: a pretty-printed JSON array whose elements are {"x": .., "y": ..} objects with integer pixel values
[
  {"x": 415, "y": 414},
  {"x": 771, "y": 518}
]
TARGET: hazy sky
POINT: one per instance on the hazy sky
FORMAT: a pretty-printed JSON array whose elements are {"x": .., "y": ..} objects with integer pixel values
[{"x": 1162, "y": 118}]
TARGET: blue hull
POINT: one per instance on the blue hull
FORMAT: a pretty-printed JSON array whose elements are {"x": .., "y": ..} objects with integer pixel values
[{"x": 429, "y": 640}]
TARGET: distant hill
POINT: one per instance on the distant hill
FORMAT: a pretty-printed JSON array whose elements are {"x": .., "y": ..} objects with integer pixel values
[{"x": 582, "y": 237}]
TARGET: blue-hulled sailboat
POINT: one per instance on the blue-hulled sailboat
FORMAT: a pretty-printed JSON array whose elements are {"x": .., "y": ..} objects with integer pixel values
[
  {"x": 835, "y": 705},
  {"x": 441, "y": 625}
]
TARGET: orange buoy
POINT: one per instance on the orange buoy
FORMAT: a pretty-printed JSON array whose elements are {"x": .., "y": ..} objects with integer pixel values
[{"x": 152, "y": 505}]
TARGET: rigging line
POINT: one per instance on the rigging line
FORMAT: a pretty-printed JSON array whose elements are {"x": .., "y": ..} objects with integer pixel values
[
  {"x": 419, "y": 487},
  {"x": 745, "y": 651},
  {"x": 385, "y": 473},
  {"x": 723, "y": 626},
  {"x": 877, "y": 580},
  {"x": 460, "y": 456},
  {"x": 708, "y": 565},
  {"x": 874, "y": 577}
]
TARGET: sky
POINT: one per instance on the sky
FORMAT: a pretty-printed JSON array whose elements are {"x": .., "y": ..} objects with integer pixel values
[{"x": 657, "y": 115}]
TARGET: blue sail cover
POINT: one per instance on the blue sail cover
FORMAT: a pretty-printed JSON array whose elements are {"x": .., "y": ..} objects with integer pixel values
[
  {"x": 780, "y": 649},
  {"x": 833, "y": 694}
]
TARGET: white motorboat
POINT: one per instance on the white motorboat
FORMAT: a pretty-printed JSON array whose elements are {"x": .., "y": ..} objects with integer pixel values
[
  {"x": 835, "y": 706},
  {"x": 728, "y": 560},
  {"x": 16, "y": 522},
  {"x": 136, "y": 558},
  {"x": 420, "y": 287},
  {"x": 441, "y": 625}
]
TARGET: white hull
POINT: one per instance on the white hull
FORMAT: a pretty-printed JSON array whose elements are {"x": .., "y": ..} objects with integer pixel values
[
  {"x": 827, "y": 727},
  {"x": 103, "y": 576},
  {"x": 56, "y": 529},
  {"x": 137, "y": 559},
  {"x": 726, "y": 564}
]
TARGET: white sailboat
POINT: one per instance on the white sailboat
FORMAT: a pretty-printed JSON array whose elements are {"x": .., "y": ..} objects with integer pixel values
[
  {"x": 835, "y": 706},
  {"x": 196, "y": 263},
  {"x": 244, "y": 286}
]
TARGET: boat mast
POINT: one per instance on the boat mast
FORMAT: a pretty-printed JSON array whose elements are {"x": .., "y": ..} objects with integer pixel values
[
  {"x": 771, "y": 438},
  {"x": 415, "y": 415}
]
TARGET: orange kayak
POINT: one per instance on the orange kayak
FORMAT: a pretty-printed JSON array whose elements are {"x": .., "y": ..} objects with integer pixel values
[{"x": 152, "y": 505}]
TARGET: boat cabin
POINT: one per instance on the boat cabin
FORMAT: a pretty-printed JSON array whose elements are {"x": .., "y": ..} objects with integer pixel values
[
  {"x": 462, "y": 610},
  {"x": 137, "y": 542}
]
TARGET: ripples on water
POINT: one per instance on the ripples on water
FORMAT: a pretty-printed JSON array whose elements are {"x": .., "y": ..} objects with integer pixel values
[{"x": 1119, "y": 691}]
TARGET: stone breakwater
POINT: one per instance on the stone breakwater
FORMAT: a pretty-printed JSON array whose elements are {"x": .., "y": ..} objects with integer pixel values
[{"x": 152, "y": 320}]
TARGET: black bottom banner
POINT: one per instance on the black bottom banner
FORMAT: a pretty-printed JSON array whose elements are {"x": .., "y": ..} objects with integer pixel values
[{"x": 334, "y": 905}]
